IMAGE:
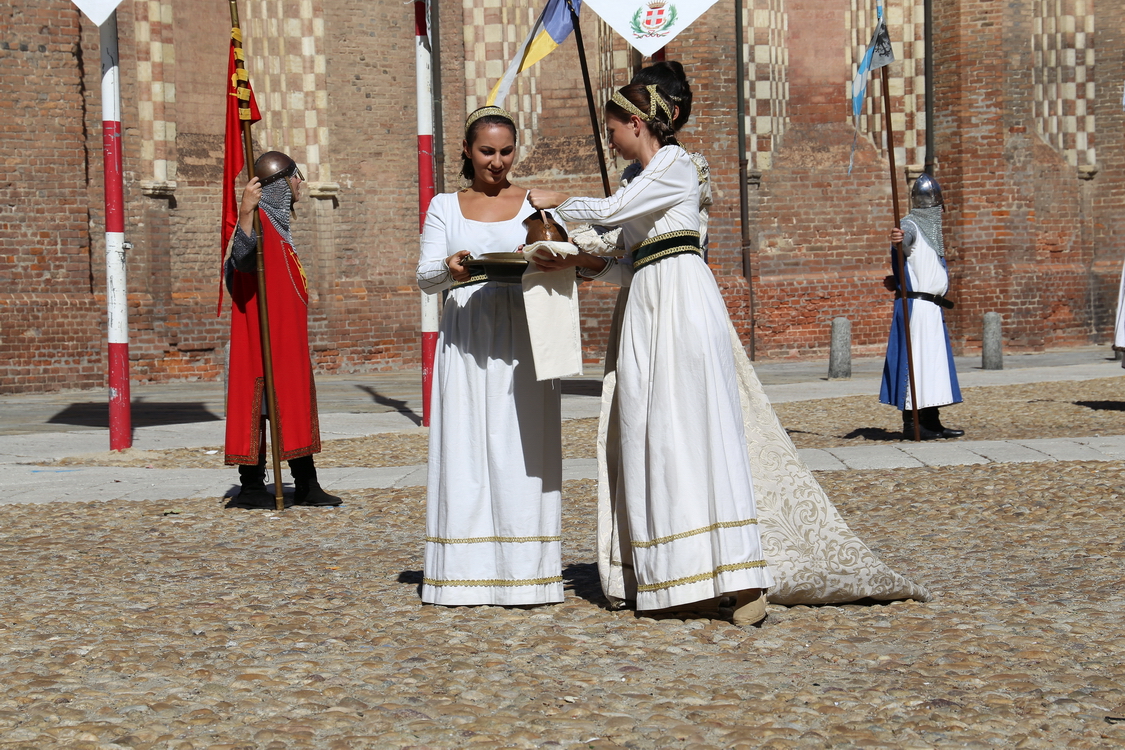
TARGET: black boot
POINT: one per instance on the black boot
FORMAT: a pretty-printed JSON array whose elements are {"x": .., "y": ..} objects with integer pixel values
[
  {"x": 930, "y": 420},
  {"x": 307, "y": 490},
  {"x": 908, "y": 427},
  {"x": 253, "y": 493}
]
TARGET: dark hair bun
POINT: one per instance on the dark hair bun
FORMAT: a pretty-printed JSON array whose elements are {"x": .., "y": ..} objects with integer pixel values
[{"x": 670, "y": 77}]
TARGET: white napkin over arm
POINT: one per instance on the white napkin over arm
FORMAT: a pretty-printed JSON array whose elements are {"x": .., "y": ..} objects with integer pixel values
[{"x": 551, "y": 302}]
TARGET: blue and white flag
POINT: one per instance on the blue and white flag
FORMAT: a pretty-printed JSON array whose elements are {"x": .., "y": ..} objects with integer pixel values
[{"x": 877, "y": 55}]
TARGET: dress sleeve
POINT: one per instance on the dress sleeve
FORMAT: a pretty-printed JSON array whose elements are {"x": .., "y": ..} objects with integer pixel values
[
  {"x": 598, "y": 240},
  {"x": 703, "y": 171},
  {"x": 660, "y": 186},
  {"x": 433, "y": 275}
]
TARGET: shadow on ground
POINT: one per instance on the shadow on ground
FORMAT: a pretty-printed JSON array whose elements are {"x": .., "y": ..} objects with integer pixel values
[
  {"x": 394, "y": 403},
  {"x": 581, "y": 578},
  {"x": 1102, "y": 405},
  {"x": 143, "y": 413},
  {"x": 875, "y": 434}
]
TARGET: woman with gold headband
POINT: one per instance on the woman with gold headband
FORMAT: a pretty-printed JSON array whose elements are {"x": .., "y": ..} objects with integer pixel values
[
  {"x": 685, "y": 522},
  {"x": 813, "y": 554},
  {"x": 493, "y": 508},
  {"x": 679, "y": 395}
]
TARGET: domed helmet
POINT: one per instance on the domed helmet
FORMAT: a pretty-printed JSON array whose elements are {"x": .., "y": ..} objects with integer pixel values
[
  {"x": 926, "y": 192},
  {"x": 274, "y": 165}
]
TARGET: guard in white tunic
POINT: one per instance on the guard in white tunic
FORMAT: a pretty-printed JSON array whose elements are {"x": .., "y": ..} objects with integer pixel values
[{"x": 935, "y": 375}]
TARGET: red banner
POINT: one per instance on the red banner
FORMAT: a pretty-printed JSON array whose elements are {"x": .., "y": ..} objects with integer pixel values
[{"x": 240, "y": 106}]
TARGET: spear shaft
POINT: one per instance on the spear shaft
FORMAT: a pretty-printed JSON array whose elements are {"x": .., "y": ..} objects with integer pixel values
[
  {"x": 900, "y": 259},
  {"x": 263, "y": 308}
]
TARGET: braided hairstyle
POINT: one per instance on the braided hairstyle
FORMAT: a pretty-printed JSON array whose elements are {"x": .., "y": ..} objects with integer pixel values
[
  {"x": 669, "y": 76},
  {"x": 467, "y": 170},
  {"x": 661, "y": 123}
]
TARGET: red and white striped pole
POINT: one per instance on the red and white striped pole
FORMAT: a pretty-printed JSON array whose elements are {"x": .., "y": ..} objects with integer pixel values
[
  {"x": 430, "y": 302},
  {"x": 120, "y": 421}
]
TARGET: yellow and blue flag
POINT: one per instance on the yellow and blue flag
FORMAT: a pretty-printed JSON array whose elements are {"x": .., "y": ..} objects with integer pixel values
[{"x": 549, "y": 31}]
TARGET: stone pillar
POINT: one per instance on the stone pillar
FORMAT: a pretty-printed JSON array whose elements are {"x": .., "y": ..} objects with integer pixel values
[
  {"x": 992, "y": 346},
  {"x": 840, "y": 356}
]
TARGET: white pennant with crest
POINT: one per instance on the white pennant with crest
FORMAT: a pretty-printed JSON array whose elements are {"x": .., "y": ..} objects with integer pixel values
[
  {"x": 649, "y": 25},
  {"x": 97, "y": 10}
]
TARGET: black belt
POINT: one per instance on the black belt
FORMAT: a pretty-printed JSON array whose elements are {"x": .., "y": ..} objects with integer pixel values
[
  {"x": 665, "y": 246},
  {"x": 937, "y": 299}
]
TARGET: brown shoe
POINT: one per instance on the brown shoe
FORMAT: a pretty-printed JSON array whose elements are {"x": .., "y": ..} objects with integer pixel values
[{"x": 750, "y": 607}]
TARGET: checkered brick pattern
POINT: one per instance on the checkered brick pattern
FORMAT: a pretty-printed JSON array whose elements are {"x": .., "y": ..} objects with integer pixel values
[
  {"x": 907, "y": 78},
  {"x": 494, "y": 31},
  {"x": 766, "y": 86},
  {"x": 1063, "y": 49},
  {"x": 285, "y": 59},
  {"x": 156, "y": 88}
]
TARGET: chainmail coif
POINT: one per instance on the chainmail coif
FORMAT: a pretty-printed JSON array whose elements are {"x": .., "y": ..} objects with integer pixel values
[
  {"x": 928, "y": 221},
  {"x": 277, "y": 202}
]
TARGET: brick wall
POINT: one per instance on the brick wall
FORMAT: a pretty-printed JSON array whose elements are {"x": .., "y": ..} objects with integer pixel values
[
  {"x": 1033, "y": 230},
  {"x": 51, "y": 332}
]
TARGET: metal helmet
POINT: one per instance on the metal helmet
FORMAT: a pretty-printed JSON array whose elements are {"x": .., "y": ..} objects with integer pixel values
[
  {"x": 926, "y": 192},
  {"x": 273, "y": 165}
]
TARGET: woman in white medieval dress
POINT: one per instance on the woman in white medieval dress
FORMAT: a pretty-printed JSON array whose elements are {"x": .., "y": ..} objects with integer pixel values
[
  {"x": 493, "y": 508},
  {"x": 687, "y": 528},
  {"x": 815, "y": 558}
]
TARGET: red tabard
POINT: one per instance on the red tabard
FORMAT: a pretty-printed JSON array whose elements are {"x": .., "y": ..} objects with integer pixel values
[{"x": 288, "y": 298}]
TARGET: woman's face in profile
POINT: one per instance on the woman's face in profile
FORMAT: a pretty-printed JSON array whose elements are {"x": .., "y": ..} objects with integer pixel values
[
  {"x": 492, "y": 152},
  {"x": 622, "y": 137}
]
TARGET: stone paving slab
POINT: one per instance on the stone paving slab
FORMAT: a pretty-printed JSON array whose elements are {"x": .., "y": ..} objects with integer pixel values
[
  {"x": 942, "y": 453},
  {"x": 875, "y": 457},
  {"x": 1110, "y": 445},
  {"x": 27, "y": 483},
  {"x": 580, "y": 468},
  {"x": 1005, "y": 451},
  {"x": 1063, "y": 449},
  {"x": 821, "y": 460}
]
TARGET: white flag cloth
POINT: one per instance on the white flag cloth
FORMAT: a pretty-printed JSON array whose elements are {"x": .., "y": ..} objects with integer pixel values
[
  {"x": 97, "y": 10},
  {"x": 649, "y": 25},
  {"x": 551, "y": 301}
]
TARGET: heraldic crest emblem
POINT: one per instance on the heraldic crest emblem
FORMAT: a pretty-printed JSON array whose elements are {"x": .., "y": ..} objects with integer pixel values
[{"x": 654, "y": 18}]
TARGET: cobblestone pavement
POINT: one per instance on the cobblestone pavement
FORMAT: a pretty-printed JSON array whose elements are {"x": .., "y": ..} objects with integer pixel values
[
  {"x": 178, "y": 624},
  {"x": 183, "y": 625}
]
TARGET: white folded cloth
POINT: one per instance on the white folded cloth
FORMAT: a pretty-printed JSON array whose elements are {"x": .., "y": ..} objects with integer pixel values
[{"x": 551, "y": 301}]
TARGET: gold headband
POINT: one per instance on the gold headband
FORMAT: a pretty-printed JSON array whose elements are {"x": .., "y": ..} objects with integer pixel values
[
  {"x": 485, "y": 112},
  {"x": 654, "y": 100}
]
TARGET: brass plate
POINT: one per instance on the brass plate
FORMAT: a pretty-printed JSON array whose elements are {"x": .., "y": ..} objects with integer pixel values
[{"x": 506, "y": 270}]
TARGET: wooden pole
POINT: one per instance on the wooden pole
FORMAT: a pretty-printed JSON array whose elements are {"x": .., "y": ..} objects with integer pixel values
[
  {"x": 900, "y": 259},
  {"x": 743, "y": 170},
  {"x": 589, "y": 97},
  {"x": 263, "y": 308}
]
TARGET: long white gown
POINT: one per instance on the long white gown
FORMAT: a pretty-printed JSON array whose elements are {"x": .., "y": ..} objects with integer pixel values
[
  {"x": 683, "y": 518},
  {"x": 493, "y": 507},
  {"x": 814, "y": 556}
]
